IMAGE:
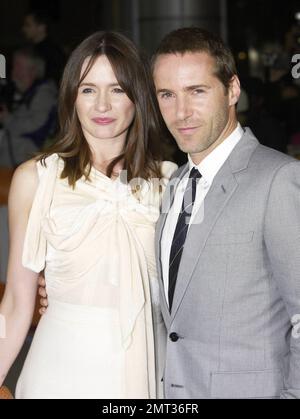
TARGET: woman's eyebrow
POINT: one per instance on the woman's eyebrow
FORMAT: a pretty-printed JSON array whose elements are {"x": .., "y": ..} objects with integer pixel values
[{"x": 94, "y": 85}]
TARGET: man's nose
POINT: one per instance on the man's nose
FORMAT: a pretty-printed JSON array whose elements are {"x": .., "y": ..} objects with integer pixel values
[{"x": 183, "y": 108}]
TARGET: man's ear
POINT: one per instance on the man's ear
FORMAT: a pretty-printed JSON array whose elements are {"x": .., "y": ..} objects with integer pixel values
[{"x": 234, "y": 91}]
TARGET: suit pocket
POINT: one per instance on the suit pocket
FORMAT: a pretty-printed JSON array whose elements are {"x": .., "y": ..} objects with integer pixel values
[
  {"x": 248, "y": 384},
  {"x": 232, "y": 238}
]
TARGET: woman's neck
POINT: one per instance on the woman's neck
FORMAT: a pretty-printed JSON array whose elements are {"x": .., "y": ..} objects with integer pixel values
[{"x": 104, "y": 155}]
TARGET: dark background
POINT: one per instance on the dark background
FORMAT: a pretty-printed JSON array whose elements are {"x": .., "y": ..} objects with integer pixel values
[
  {"x": 263, "y": 35},
  {"x": 244, "y": 23}
]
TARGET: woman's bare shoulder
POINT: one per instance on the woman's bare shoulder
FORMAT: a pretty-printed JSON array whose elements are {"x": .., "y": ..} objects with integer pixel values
[
  {"x": 27, "y": 171},
  {"x": 25, "y": 181}
]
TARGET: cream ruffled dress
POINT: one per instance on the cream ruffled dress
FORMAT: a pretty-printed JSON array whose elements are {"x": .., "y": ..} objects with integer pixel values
[{"x": 101, "y": 336}]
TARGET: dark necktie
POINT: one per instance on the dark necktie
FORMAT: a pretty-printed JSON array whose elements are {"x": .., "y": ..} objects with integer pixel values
[{"x": 181, "y": 231}]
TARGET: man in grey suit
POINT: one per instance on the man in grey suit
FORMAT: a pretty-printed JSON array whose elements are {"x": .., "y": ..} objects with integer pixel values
[{"x": 228, "y": 239}]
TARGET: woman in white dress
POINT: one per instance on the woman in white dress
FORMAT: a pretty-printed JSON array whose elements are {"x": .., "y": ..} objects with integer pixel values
[{"x": 85, "y": 213}]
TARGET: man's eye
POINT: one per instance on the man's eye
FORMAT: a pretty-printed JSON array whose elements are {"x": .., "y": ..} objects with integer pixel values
[{"x": 199, "y": 91}]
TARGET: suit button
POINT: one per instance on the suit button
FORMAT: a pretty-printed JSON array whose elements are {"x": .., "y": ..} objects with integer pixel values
[{"x": 174, "y": 337}]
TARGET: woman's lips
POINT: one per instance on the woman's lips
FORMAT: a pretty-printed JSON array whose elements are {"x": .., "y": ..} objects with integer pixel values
[{"x": 103, "y": 121}]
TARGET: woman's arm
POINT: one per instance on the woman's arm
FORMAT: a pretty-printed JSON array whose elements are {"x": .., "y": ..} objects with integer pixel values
[{"x": 17, "y": 306}]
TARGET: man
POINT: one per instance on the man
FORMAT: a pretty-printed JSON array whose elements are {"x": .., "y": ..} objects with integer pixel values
[
  {"x": 35, "y": 29},
  {"x": 33, "y": 117},
  {"x": 228, "y": 243}
]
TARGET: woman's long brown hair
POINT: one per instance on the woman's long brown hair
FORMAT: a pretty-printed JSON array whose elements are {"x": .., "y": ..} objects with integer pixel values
[{"x": 142, "y": 153}]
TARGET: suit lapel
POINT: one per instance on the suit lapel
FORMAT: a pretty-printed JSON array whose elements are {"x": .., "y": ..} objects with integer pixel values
[
  {"x": 222, "y": 189},
  {"x": 168, "y": 199},
  {"x": 167, "y": 202},
  {"x": 216, "y": 199}
]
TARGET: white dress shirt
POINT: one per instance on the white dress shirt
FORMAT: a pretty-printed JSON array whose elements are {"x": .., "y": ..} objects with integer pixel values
[{"x": 208, "y": 168}]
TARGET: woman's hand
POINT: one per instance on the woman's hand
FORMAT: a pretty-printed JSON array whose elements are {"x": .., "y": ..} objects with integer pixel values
[{"x": 43, "y": 294}]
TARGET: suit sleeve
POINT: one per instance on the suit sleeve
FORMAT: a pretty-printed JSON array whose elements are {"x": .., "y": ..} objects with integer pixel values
[{"x": 282, "y": 239}]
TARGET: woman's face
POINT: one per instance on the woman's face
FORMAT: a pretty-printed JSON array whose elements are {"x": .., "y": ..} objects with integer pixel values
[{"x": 103, "y": 108}]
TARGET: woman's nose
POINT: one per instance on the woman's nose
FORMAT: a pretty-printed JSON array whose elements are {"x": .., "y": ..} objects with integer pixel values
[{"x": 103, "y": 103}]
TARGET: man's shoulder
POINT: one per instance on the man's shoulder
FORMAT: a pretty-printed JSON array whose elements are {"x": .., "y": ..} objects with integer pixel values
[
  {"x": 268, "y": 159},
  {"x": 259, "y": 152}
]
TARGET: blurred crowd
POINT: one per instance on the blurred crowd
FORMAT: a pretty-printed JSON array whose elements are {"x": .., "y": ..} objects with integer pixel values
[
  {"x": 28, "y": 97},
  {"x": 269, "y": 105}
]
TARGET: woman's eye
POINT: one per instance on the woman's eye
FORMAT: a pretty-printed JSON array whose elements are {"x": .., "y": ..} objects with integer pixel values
[
  {"x": 87, "y": 91},
  {"x": 166, "y": 95},
  {"x": 118, "y": 90}
]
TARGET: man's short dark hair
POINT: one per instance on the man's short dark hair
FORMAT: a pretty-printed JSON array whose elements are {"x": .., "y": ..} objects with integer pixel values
[{"x": 193, "y": 39}]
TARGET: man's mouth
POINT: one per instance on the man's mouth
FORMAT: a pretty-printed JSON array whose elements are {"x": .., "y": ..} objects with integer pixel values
[{"x": 187, "y": 130}]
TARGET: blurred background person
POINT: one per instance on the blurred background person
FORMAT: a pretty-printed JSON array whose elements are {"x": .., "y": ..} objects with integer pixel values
[
  {"x": 36, "y": 31},
  {"x": 32, "y": 118}
]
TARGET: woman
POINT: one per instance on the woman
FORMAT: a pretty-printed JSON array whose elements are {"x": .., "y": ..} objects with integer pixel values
[{"x": 85, "y": 212}]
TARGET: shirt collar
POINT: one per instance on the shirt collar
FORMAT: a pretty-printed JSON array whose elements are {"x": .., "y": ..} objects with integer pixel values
[{"x": 210, "y": 166}]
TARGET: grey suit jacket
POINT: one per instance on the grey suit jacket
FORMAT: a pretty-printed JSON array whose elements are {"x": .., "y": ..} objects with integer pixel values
[{"x": 238, "y": 285}]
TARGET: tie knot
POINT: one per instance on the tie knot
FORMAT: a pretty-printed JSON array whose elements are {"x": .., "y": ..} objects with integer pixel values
[{"x": 195, "y": 174}]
